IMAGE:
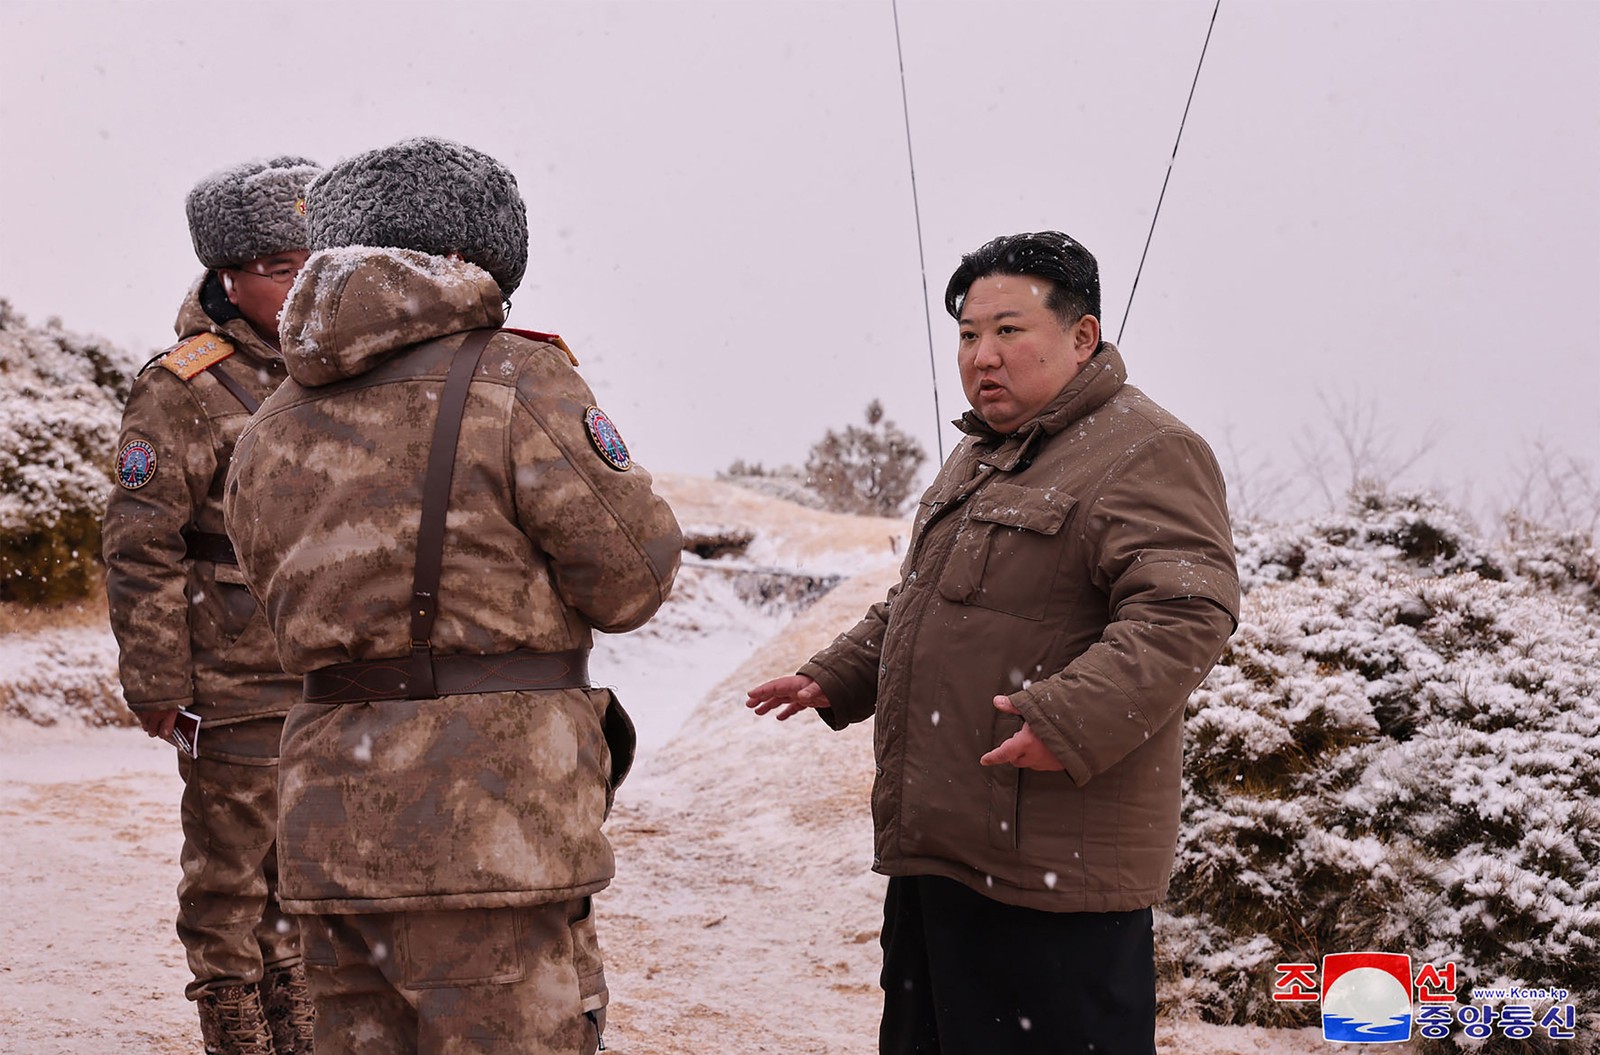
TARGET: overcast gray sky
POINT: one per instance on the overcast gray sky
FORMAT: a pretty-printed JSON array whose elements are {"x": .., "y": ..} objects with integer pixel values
[{"x": 1393, "y": 204}]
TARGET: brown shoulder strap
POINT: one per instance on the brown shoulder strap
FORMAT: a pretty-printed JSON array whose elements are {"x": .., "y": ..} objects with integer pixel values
[
  {"x": 435, "y": 502},
  {"x": 249, "y": 402}
]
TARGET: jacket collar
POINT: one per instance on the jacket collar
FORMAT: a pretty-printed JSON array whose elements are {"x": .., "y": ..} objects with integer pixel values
[
  {"x": 353, "y": 308},
  {"x": 1100, "y": 379},
  {"x": 194, "y": 319}
]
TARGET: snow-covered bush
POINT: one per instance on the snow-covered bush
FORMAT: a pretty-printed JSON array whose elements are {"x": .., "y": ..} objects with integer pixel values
[
  {"x": 61, "y": 397},
  {"x": 1399, "y": 751},
  {"x": 784, "y": 482},
  {"x": 1565, "y": 561},
  {"x": 62, "y": 674},
  {"x": 870, "y": 470}
]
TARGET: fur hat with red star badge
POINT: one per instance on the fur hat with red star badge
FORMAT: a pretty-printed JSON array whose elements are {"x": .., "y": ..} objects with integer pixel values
[{"x": 250, "y": 210}]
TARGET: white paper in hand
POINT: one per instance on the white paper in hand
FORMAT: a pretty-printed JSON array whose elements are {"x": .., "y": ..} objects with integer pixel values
[{"x": 186, "y": 733}]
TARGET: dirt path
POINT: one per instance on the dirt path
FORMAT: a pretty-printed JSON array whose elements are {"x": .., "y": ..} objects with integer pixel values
[
  {"x": 88, "y": 876},
  {"x": 725, "y": 930},
  {"x": 711, "y": 942},
  {"x": 744, "y": 916}
]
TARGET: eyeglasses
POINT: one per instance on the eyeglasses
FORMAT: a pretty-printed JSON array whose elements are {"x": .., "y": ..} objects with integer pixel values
[{"x": 282, "y": 274}]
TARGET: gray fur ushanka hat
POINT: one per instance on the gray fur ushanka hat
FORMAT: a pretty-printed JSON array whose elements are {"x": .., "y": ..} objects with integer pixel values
[
  {"x": 252, "y": 209},
  {"x": 426, "y": 194}
]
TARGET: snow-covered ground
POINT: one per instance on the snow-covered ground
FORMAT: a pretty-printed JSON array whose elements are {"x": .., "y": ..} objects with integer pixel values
[{"x": 744, "y": 916}]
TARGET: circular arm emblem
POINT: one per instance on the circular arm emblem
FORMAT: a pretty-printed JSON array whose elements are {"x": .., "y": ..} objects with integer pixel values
[
  {"x": 136, "y": 464},
  {"x": 606, "y": 439}
]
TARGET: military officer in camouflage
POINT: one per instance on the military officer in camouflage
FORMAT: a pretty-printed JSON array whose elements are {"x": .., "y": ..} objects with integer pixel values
[
  {"x": 445, "y": 780},
  {"x": 191, "y": 637}
]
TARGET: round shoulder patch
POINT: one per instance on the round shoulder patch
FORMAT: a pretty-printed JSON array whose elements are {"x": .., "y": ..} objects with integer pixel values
[
  {"x": 606, "y": 439},
  {"x": 136, "y": 464}
]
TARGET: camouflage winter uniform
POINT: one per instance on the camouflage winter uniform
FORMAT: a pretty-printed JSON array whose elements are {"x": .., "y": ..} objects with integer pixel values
[
  {"x": 448, "y": 817},
  {"x": 191, "y": 636}
]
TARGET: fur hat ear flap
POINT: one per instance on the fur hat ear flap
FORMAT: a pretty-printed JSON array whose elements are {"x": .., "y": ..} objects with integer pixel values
[
  {"x": 426, "y": 194},
  {"x": 250, "y": 210}
]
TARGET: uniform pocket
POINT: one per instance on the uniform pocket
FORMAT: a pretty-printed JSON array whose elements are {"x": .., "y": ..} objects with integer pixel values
[
  {"x": 1006, "y": 554},
  {"x": 461, "y": 947},
  {"x": 227, "y": 808},
  {"x": 316, "y": 942},
  {"x": 587, "y": 961},
  {"x": 621, "y": 742},
  {"x": 1004, "y": 784},
  {"x": 220, "y": 610}
]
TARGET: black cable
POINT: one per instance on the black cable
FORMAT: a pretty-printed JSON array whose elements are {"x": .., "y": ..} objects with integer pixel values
[
  {"x": 1170, "y": 161},
  {"x": 916, "y": 208}
]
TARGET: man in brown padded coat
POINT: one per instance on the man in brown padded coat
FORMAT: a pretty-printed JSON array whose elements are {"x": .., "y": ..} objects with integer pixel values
[
  {"x": 1070, "y": 580},
  {"x": 445, "y": 780},
  {"x": 191, "y": 637}
]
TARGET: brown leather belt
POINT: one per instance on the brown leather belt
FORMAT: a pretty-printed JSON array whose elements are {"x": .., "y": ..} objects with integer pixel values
[{"x": 391, "y": 679}]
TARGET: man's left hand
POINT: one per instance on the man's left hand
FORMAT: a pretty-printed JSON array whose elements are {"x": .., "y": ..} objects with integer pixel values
[{"x": 1023, "y": 750}]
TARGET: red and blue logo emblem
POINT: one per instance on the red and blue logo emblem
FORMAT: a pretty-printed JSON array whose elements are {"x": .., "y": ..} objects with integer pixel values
[
  {"x": 136, "y": 464},
  {"x": 606, "y": 439},
  {"x": 1366, "y": 997}
]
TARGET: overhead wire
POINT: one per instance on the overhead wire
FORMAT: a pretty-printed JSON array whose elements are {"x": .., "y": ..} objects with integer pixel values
[
  {"x": 916, "y": 208},
  {"x": 1170, "y": 162},
  {"x": 916, "y": 204}
]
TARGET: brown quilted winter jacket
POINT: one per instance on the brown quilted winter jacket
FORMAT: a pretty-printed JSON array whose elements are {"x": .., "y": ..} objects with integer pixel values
[
  {"x": 1084, "y": 567},
  {"x": 484, "y": 800},
  {"x": 190, "y": 634}
]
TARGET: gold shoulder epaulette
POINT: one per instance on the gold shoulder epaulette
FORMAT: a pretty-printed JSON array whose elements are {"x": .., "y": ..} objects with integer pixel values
[
  {"x": 559, "y": 343},
  {"x": 197, "y": 354},
  {"x": 545, "y": 338}
]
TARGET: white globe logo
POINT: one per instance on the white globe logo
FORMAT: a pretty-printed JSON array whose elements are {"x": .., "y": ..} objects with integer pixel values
[{"x": 1367, "y": 995}]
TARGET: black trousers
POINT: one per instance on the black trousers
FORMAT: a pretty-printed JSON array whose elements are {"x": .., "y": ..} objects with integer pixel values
[{"x": 967, "y": 975}]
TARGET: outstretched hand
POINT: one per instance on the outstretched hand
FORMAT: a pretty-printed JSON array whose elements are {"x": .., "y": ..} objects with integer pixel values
[
  {"x": 789, "y": 696},
  {"x": 1023, "y": 748}
]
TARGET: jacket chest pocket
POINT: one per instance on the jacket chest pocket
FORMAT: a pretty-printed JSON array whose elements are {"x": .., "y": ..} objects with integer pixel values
[
  {"x": 220, "y": 607},
  {"x": 1006, "y": 552}
]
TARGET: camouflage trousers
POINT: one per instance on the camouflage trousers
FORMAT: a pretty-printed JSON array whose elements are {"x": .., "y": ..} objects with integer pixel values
[
  {"x": 526, "y": 980},
  {"x": 228, "y": 915}
]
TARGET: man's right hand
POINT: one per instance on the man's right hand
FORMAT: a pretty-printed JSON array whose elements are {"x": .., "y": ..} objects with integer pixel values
[
  {"x": 789, "y": 696},
  {"x": 159, "y": 723}
]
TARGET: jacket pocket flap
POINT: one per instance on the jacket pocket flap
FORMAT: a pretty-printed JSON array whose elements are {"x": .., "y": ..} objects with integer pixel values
[{"x": 1038, "y": 509}]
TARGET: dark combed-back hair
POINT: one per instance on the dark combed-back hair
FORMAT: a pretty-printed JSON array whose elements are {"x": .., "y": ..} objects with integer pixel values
[{"x": 1071, "y": 269}]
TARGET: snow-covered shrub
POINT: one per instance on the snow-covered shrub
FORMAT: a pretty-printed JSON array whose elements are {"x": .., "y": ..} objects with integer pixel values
[
  {"x": 865, "y": 470},
  {"x": 1399, "y": 751},
  {"x": 869, "y": 470},
  {"x": 61, "y": 397},
  {"x": 1410, "y": 529},
  {"x": 783, "y": 482},
  {"x": 63, "y": 674},
  {"x": 1565, "y": 561}
]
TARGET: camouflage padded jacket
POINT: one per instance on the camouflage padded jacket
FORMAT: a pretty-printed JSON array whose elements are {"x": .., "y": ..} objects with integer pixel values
[
  {"x": 1083, "y": 566},
  {"x": 486, "y": 800},
  {"x": 189, "y": 632}
]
